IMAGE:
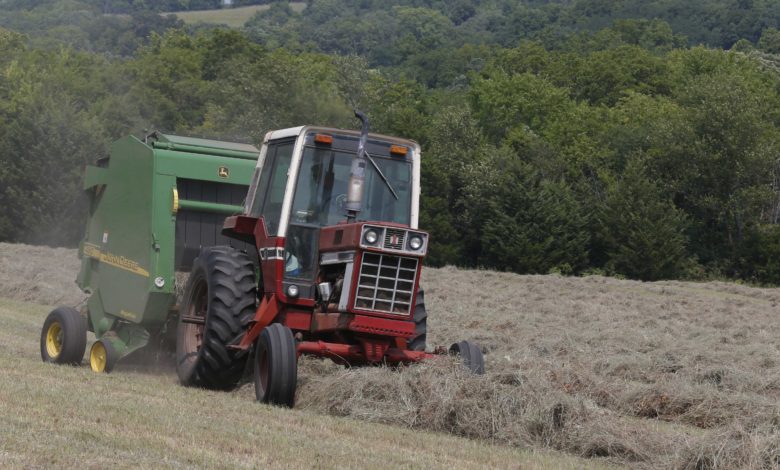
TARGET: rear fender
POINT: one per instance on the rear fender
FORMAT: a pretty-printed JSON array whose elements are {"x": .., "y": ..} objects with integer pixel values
[
  {"x": 270, "y": 250},
  {"x": 243, "y": 228}
]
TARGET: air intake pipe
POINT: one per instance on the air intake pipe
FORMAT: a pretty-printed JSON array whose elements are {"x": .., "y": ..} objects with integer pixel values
[{"x": 357, "y": 176}]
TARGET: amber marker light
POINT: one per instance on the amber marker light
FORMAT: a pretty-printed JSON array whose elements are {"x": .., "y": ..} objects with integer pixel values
[
  {"x": 323, "y": 139},
  {"x": 398, "y": 149}
]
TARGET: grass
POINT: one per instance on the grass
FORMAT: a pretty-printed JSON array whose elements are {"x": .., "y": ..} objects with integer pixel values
[
  {"x": 232, "y": 17},
  {"x": 649, "y": 375},
  {"x": 60, "y": 416}
]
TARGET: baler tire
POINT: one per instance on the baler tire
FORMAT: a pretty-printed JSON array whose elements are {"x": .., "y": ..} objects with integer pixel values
[
  {"x": 102, "y": 357},
  {"x": 64, "y": 337},
  {"x": 471, "y": 356},
  {"x": 418, "y": 342},
  {"x": 228, "y": 277},
  {"x": 276, "y": 366}
]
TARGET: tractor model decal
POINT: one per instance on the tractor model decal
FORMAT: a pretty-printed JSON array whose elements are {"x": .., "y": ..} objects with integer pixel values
[
  {"x": 129, "y": 315},
  {"x": 271, "y": 253}
]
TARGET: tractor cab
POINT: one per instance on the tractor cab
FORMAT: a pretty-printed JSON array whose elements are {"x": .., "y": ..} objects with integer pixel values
[
  {"x": 310, "y": 237},
  {"x": 333, "y": 215}
]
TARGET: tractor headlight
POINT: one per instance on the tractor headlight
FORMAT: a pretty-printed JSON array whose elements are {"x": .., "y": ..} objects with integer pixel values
[
  {"x": 371, "y": 237},
  {"x": 292, "y": 291},
  {"x": 416, "y": 242}
]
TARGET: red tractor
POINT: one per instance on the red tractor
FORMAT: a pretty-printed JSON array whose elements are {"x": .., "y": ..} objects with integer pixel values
[{"x": 333, "y": 215}]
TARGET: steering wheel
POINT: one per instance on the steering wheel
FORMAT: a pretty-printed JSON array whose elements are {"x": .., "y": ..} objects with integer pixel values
[
  {"x": 341, "y": 201},
  {"x": 338, "y": 203}
]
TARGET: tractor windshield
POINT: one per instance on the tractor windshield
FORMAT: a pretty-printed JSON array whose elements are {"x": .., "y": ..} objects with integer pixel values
[
  {"x": 321, "y": 190},
  {"x": 321, "y": 195}
]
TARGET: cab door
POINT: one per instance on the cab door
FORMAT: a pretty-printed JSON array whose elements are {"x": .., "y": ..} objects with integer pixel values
[{"x": 267, "y": 204}]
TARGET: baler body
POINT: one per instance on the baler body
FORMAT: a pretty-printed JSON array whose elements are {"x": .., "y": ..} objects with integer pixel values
[{"x": 153, "y": 206}]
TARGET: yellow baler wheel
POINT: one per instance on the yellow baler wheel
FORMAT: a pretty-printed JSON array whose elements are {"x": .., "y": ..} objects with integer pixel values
[
  {"x": 98, "y": 357},
  {"x": 54, "y": 340},
  {"x": 64, "y": 336}
]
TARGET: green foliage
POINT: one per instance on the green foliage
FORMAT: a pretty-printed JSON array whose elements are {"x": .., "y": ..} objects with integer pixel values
[
  {"x": 47, "y": 113},
  {"x": 80, "y": 24},
  {"x": 169, "y": 80},
  {"x": 641, "y": 230},
  {"x": 502, "y": 102},
  {"x": 531, "y": 224},
  {"x": 759, "y": 257},
  {"x": 770, "y": 41},
  {"x": 458, "y": 156},
  {"x": 732, "y": 112},
  {"x": 604, "y": 76},
  {"x": 558, "y": 136}
]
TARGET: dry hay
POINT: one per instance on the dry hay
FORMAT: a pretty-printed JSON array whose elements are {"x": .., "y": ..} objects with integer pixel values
[
  {"x": 743, "y": 444},
  {"x": 39, "y": 274},
  {"x": 47, "y": 276},
  {"x": 665, "y": 374}
]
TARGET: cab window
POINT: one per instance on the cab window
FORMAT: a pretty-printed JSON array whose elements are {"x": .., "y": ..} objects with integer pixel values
[{"x": 272, "y": 185}]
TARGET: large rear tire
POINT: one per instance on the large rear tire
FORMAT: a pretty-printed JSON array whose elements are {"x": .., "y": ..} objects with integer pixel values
[
  {"x": 418, "y": 342},
  {"x": 471, "y": 356},
  {"x": 64, "y": 336},
  {"x": 219, "y": 302},
  {"x": 276, "y": 366}
]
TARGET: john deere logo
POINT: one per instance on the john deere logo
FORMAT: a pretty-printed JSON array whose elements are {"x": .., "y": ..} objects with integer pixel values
[{"x": 223, "y": 172}]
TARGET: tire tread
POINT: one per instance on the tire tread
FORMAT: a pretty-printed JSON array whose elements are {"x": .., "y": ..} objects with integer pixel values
[{"x": 232, "y": 294}]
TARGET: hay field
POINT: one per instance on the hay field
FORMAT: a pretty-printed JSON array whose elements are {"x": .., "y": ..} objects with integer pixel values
[
  {"x": 67, "y": 417},
  {"x": 232, "y": 17},
  {"x": 42, "y": 275},
  {"x": 648, "y": 375}
]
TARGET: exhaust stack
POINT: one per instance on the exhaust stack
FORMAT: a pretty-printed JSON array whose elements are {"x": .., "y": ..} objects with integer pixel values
[{"x": 358, "y": 173}]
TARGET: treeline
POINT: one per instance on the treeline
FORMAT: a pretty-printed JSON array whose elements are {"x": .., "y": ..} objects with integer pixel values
[
  {"x": 415, "y": 26},
  {"x": 132, "y": 6},
  {"x": 404, "y": 34},
  {"x": 622, "y": 151}
]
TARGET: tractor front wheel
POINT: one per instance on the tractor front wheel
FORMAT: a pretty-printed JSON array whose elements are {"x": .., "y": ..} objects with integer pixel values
[
  {"x": 64, "y": 337},
  {"x": 471, "y": 356},
  {"x": 276, "y": 366},
  {"x": 219, "y": 303}
]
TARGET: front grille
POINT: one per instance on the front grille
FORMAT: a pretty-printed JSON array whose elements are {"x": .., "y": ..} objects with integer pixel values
[
  {"x": 394, "y": 239},
  {"x": 386, "y": 283}
]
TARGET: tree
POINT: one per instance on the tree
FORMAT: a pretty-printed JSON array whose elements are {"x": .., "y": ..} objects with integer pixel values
[
  {"x": 454, "y": 157},
  {"x": 770, "y": 41},
  {"x": 49, "y": 134},
  {"x": 169, "y": 81},
  {"x": 530, "y": 224},
  {"x": 642, "y": 231},
  {"x": 502, "y": 102}
]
